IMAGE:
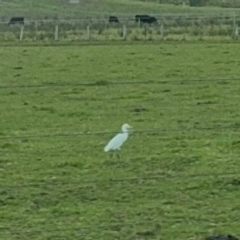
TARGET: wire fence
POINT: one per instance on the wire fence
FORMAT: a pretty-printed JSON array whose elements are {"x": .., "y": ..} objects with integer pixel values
[
  {"x": 167, "y": 27},
  {"x": 133, "y": 179},
  {"x": 149, "y": 131},
  {"x": 110, "y": 227},
  {"x": 80, "y": 228},
  {"x": 126, "y": 82}
]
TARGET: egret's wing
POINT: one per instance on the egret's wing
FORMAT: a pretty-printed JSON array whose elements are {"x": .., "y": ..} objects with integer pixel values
[
  {"x": 116, "y": 142},
  {"x": 112, "y": 143},
  {"x": 124, "y": 137}
]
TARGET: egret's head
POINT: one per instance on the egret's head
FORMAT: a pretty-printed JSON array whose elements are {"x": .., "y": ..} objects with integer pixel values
[{"x": 125, "y": 127}]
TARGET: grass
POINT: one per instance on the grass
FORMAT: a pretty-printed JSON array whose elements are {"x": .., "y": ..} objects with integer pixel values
[{"x": 56, "y": 184}]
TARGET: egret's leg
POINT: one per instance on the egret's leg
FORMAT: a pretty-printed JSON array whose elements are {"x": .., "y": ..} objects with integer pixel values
[
  {"x": 118, "y": 154},
  {"x": 112, "y": 154}
]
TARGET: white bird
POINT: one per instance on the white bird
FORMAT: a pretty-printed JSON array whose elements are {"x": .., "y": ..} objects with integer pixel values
[{"x": 118, "y": 140}]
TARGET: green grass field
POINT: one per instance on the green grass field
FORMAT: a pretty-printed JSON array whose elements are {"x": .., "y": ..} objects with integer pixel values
[{"x": 61, "y": 105}]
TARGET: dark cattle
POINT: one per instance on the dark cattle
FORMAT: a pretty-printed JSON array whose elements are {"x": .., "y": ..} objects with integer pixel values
[
  {"x": 228, "y": 237},
  {"x": 15, "y": 20},
  {"x": 113, "y": 19},
  {"x": 145, "y": 19}
]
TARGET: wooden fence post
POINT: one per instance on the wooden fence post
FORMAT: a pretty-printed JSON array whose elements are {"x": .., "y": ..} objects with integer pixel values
[
  {"x": 162, "y": 31},
  {"x": 106, "y": 23},
  {"x": 21, "y": 32},
  {"x": 88, "y": 32},
  {"x": 56, "y": 33},
  {"x": 234, "y": 20},
  {"x": 236, "y": 31},
  {"x": 145, "y": 32},
  {"x": 36, "y": 25},
  {"x": 124, "y": 32}
]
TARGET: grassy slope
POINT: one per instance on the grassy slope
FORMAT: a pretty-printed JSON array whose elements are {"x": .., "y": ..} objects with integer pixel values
[
  {"x": 170, "y": 208},
  {"x": 97, "y": 8}
]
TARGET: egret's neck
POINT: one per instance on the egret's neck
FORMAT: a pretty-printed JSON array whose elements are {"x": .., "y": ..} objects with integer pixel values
[{"x": 124, "y": 130}]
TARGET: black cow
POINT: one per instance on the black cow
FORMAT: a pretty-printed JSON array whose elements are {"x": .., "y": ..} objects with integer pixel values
[
  {"x": 228, "y": 237},
  {"x": 113, "y": 19},
  {"x": 145, "y": 19},
  {"x": 14, "y": 20}
]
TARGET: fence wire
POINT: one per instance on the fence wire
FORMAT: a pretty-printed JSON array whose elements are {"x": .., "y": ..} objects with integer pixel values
[
  {"x": 133, "y": 179},
  {"x": 80, "y": 228},
  {"x": 150, "y": 223},
  {"x": 150, "y": 131},
  {"x": 103, "y": 83}
]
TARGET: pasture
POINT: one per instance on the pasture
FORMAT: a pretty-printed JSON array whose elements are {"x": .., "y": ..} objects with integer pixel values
[
  {"x": 168, "y": 28},
  {"x": 178, "y": 174},
  {"x": 99, "y": 8},
  {"x": 58, "y": 20}
]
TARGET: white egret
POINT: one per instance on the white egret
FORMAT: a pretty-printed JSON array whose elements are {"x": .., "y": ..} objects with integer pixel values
[{"x": 118, "y": 140}]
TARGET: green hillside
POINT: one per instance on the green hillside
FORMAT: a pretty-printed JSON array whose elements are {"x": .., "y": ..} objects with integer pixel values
[{"x": 42, "y": 8}]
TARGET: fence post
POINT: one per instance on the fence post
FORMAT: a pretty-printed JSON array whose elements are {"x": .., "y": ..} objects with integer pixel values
[
  {"x": 124, "y": 32},
  {"x": 234, "y": 20},
  {"x": 88, "y": 32},
  {"x": 139, "y": 22},
  {"x": 145, "y": 32},
  {"x": 237, "y": 32},
  {"x": 106, "y": 23},
  {"x": 56, "y": 33},
  {"x": 162, "y": 30},
  {"x": 36, "y": 25},
  {"x": 21, "y": 33}
]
